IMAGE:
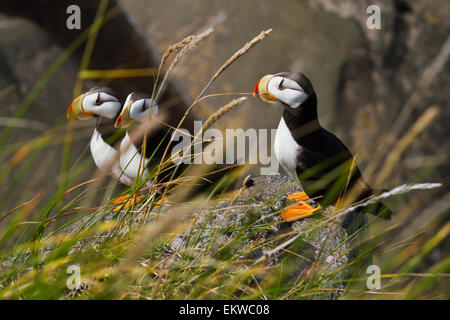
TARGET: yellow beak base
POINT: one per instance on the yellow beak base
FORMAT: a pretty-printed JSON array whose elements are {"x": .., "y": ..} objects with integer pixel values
[
  {"x": 76, "y": 111},
  {"x": 263, "y": 92},
  {"x": 124, "y": 120}
]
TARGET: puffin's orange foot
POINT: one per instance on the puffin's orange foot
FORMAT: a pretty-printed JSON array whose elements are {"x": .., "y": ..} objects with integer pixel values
[
  {"x": 298, "y": 196},
  {"x": 300, "y": 210}
]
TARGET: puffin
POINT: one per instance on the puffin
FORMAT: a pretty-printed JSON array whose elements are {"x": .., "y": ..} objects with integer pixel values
[
  {"x": 310, "y": 154},
  {"x": 135, "y": 109},
  {"x": 104, "y": 104}
]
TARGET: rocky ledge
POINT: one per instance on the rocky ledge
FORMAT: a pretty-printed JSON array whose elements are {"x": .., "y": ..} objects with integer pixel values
[{"x": 317, "y": 245}]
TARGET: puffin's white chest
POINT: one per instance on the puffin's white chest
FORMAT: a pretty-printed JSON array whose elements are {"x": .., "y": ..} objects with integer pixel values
[
  {"x": 130, "y": 158},
  {"x": 103, "y": 153},
  {"x": 286, "y": 149}
]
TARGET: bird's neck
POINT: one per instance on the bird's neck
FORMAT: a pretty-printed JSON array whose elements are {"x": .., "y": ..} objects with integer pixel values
[
  {"x": 107, "y": 122},
  {"x": 303, "y": 120},
  {"x": 105, "y": 127}
]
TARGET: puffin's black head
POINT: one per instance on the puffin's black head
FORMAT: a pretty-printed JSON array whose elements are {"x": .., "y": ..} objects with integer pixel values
[
  {"x": 98, "y": 101},
  {"x": 300, "y": 79},
  {"x": 293, "y": 90}
]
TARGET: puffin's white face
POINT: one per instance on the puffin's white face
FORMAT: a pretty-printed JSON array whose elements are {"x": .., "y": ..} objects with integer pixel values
[
  {"x": 140, "y": 109},
  {"x": 136, "y": 108},
  {"x": 287, "y": 91},
  {"x": 101, "y": 102},
  {"x": 277, "y": 88}
]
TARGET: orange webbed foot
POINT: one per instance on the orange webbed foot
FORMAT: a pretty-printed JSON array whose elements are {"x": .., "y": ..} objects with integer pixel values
[
  {"x": 300, "y": 210},
  {"x": 298, "y": 196}
]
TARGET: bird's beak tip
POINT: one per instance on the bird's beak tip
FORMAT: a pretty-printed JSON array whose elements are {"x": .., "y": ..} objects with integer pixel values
[
  {"x": 256, "y": 90},
  {"x": 261, "y": 89},
  {"x": 69, "y": 112},
  {"x": 75, "y": 110},
  {"x": 117, "y": 124}
]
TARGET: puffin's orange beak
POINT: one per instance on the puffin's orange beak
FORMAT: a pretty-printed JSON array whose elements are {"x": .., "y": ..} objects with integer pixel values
[
  {"x": 255, "y": 90},
  {"x": 124, "y": 120},
  {"x": 117, "y": 124},
  {"x": 76, "y": 111},
  {"x": 261, "y": 89}
]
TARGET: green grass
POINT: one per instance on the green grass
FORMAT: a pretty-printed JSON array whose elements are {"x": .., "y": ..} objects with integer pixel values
[{"x": 130, "y": 254}]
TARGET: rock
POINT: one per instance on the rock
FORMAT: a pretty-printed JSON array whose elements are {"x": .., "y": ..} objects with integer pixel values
[
  {"x": 32, "y": 38},
  {"x": 315, "y": 241}
]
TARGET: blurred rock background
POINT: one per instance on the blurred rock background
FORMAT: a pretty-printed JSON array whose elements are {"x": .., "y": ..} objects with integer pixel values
[{"x": 362, "y": 77}]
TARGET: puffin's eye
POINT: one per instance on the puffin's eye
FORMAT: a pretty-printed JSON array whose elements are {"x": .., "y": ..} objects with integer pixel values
[
  {"x": 98, "y": 101},
  {"x": 144, "y": 107},
  {"x": 280, "y": 86}
]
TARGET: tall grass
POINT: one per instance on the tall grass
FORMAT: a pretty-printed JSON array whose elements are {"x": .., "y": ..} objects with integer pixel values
[{"x": 202, "y": 247}]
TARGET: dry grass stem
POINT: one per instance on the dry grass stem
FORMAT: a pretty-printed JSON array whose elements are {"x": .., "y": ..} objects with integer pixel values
[
  {"x": 215, "y": 240},
  {"x": 152, "y": 231},
  {"x": 394, "y": 156},
  {"x": 213, "y": 118},
  {"x": 430, "y": 73},
  {"x": 23, "y": 123},
  {"x": 239, "y": 192},
  {"x": 241, "y": 52},
  {"x": 428, "y": 76},
  {"x": 220, "y": 113},
  {"x": 142, "y": 129},
  {"x": 176, "y": 47},
  {"x": 187, "y": 45},
  {"x": 235, "y": 56}
]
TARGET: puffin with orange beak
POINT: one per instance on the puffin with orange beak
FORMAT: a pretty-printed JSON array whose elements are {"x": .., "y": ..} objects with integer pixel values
[
  {"x": 310, "y": 154},
  {"x": 139, "y": 107},
  {"x": 135, "y": 109},
  {"x": 103, "y": 104}
]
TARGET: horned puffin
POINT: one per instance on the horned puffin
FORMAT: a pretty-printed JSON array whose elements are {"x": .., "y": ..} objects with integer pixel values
[
  {"x": 102, "y": 103},
  {"x": 136, "y": 108},
  {"x": 310, "y": 154}
]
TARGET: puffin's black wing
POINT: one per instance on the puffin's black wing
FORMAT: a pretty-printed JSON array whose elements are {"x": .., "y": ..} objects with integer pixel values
[
  {"x": 322, "y": 152},
  {"x": 324, "y": 157}
]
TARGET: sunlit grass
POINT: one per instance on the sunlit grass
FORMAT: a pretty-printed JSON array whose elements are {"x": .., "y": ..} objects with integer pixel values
[{"x": 127, "y": 251}]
